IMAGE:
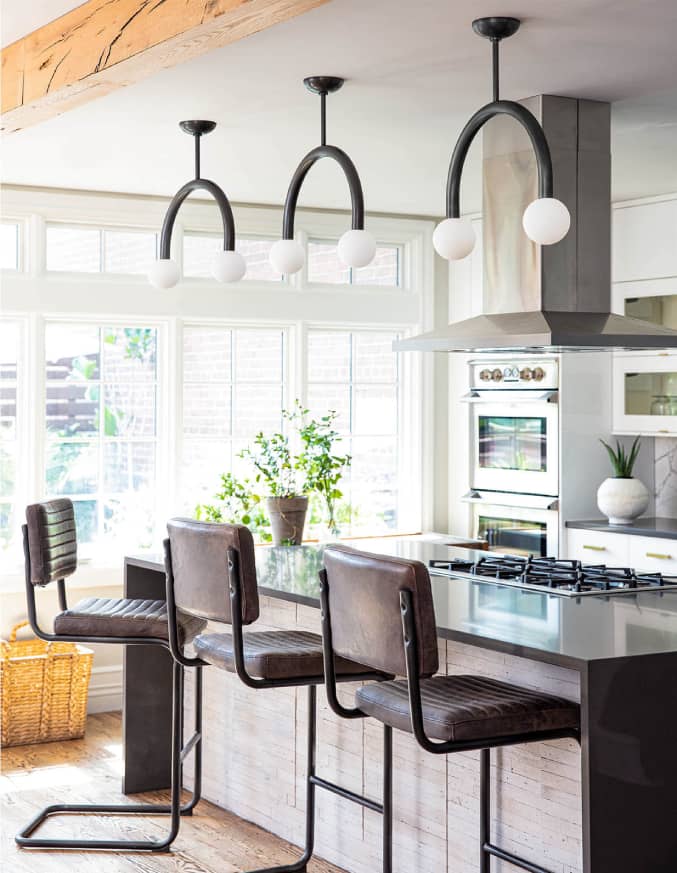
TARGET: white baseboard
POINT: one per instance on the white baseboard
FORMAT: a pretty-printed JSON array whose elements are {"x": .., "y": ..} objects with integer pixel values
[{"x": 105, "y": 689}]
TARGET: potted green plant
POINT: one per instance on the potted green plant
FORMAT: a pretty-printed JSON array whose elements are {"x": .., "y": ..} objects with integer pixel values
[
  {"x": 622, "y": 497},
  {"x": 236, "y": 503},
  {"x": 318, "y": 462},
  {"x": 286, "y": 504}
]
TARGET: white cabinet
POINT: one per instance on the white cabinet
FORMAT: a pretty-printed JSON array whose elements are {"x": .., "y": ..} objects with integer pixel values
[
  {"x": 644, "y": 237},
  {"x": 645, "y": 287},
  {"x": 598, "y": 547},
  {"x": 645, "y": 554},
  {"x": 645, "y": 394},
  {"x": 653, "y": 555}
]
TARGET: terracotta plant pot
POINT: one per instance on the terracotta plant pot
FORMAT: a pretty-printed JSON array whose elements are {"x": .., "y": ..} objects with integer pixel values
[
  {"x": 622, "y": 500},
  {"x": 287, "y": 519}
]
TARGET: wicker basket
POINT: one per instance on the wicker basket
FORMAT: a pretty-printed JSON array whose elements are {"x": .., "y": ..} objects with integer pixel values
[{"x": 43, "y": 690}]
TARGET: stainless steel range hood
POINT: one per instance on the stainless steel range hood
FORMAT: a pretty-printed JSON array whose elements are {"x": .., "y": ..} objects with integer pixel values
[{"x": 551, "y": 298}]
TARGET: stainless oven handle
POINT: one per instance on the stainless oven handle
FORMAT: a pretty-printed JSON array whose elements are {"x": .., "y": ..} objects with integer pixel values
[
  {"x": 476, "y": 497},
  {"x": 486, "y": 397}
]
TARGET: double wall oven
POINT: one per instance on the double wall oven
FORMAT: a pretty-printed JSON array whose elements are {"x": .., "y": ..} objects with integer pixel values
[{"x": 514, "y": 448}]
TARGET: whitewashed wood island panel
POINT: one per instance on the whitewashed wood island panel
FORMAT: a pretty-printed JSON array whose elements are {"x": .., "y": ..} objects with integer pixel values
[{"x": 255, "y": 758}]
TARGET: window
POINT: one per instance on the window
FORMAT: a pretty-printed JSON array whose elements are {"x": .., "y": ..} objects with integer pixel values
[
  {"x": 101, "y": 406},
  {"x": 325, "y": 266},
  {"x": 9, "y": 433},
  {"x": 234, "y": 386},
  {"x": 9, "y": 245},
  {"x": 96, "y": 250},
  {"x": 199, "y": 250},
  {"x": 357, "y": 374}
]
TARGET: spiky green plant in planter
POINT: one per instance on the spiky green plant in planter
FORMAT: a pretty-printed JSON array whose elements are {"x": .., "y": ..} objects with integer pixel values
[
  {"x": 622, "y": 462},
  {"x": 622, "y": 497}
]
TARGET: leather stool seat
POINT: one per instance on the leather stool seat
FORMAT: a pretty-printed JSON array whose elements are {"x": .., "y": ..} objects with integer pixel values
[
  {"x": 469, "y": 708},
  {"x": 273, "y": 654},
  {"x": 110, "y": 617}
]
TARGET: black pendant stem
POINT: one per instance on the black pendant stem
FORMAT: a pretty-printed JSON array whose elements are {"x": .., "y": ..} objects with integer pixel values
[
  {"x": 197, "y": 129},
  {"x": 323, "y": 85},
  {"x": 496, "y": 29},
  {"x": 323, "y": 118}
]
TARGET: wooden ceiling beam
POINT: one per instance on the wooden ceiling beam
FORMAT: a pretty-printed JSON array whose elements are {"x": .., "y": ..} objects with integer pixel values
[{"x": 103, "y": 45}]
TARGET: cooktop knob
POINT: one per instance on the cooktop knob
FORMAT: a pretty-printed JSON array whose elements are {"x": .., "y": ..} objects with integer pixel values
[
  {"x": 538, "y": 374},
  {"x": 497, "y": 375},
  {"x": 526, "y": 374},
  {"x": 485, "y": 375}
]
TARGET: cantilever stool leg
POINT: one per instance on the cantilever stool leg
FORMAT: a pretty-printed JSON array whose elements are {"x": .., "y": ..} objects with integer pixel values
[
  {"x": 50, "y": 556},
  {"x": 314, "y": 781}
]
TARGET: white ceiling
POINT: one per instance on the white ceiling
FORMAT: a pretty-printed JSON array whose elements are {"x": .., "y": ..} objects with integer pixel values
[
  {"x": 413, "y": 82},
  {"x": 18, "y": 19}
]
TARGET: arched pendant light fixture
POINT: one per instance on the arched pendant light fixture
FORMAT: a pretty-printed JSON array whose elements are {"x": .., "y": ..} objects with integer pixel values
[
  {"x": 546, "y": 220},
  {"x": 229, "y": 265},
  {"x": 357, "y": 247}
]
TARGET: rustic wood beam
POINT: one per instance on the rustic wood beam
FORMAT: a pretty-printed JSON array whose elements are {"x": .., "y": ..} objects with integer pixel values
[{"x": 103, "y": 45}]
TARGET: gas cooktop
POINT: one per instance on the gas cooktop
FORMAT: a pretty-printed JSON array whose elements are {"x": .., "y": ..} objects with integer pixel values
[{"x": 554, "y": 575}]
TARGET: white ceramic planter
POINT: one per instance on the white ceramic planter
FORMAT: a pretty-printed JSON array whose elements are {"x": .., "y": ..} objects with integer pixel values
[{"x": 622, "y": 500}]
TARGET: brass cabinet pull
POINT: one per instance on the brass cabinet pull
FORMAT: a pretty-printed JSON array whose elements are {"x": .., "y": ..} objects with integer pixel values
[
  {"x": 658, "y": 555},
  {"x": 595, "y": 548}
]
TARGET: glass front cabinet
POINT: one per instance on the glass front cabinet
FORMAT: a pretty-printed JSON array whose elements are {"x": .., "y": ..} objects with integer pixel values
[{"x": 645, "y": 383}]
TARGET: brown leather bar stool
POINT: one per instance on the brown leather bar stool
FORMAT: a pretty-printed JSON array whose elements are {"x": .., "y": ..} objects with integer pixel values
[
  {"x": 50, "y": 550},
  {"x": 379, "y": 610},
  {"x": 211, "y": 574}
]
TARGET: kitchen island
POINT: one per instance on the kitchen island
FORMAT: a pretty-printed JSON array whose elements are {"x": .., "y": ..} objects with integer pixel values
[{"x": 608, "y": 807}]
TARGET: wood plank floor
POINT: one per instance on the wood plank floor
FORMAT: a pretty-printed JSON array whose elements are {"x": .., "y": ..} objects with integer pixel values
[{"x": 88, "y": 770}]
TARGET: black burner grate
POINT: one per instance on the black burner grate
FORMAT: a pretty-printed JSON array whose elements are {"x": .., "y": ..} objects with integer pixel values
[{"x": 558, "y": 574}]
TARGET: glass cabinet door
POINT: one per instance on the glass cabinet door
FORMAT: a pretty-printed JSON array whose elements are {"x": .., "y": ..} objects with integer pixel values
[
  {"x": 645, "y": 394},
  {"x": 658, "y": 309}
]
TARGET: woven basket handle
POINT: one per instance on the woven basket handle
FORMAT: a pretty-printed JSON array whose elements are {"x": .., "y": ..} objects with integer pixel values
[
  {"x": 17, "y": 627},
  {"x": 49, "y": 646}
]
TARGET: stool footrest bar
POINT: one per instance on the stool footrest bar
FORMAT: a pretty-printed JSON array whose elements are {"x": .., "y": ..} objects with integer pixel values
[
  {"x": 490, "y": 849},
  {"x": 190, "y": 745},
  {"x": 347, "y": 794}
]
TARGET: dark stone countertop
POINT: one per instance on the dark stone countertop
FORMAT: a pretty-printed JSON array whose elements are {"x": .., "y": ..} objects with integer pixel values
[
  {"x": 663, "y": 528},
  {"x": 569, "y": 631}
]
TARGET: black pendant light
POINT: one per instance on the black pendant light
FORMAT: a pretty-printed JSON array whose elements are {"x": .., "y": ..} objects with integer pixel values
[
  {"x": 546, "y": 220},
  {"x": 357, "y": 247},
  {"x": 229, "y": 265}
]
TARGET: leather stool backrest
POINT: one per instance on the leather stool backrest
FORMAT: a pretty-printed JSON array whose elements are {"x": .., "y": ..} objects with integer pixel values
[
  {"x": 199, "y": 554},
  {"x": 364, "y": 607},
  {"x": 52, "y": 541}
]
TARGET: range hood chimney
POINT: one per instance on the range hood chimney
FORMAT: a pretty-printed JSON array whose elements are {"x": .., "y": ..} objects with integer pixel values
[{"x": 552, "y": 298}]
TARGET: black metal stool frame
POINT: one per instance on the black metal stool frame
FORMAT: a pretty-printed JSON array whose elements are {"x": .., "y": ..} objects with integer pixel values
[
  {"x": 313, "y": 781},
  {"x": 179, "y": 751},
  {"x": 410, "y": 642}
]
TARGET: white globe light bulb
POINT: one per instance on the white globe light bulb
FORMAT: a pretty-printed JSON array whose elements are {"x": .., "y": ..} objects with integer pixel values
[
  {"x": 546, "y": 221},
  {"x": 287, "y": 256},
  {"x": 164, "y": 273},
  {"x": 357, "y": 248},
  {"x": 229, "y": 266},
  {"x": 454, "y": 238}
]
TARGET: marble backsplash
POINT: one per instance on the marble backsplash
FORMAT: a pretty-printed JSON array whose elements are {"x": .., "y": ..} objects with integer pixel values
[{"x": 665, "y": 463}]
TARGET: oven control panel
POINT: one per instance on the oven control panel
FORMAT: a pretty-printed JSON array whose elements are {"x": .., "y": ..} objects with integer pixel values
[{"x": 525, "y": 375}]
